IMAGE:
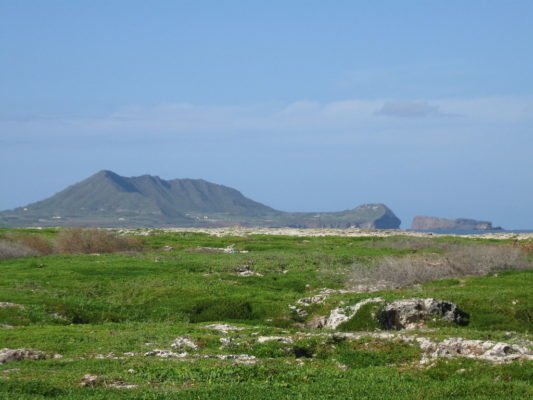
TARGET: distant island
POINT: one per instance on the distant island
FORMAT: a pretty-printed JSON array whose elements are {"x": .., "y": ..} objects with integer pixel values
[
  {"x": 107, "y": 199},
  {"x": 434, "y": 223}
]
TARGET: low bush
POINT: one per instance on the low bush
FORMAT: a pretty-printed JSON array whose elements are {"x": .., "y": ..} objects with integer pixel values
[
  {"x": 40, "y": 244},
  {"x": 457, "y": 260},
  {"x": 526, "y": 246},
  {"x": 222, "y": 309},
  {"x": 406, "y": 243},
  {"x": 79, "y": 240},
  {"x": 9, "y": 249}
]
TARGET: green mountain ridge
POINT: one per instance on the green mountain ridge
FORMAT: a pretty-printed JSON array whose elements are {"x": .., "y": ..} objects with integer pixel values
[{"x": 107, "y": 199}]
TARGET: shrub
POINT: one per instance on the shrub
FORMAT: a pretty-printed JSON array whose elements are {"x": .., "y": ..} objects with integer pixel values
[
  {"x": 482, "y": 259},
  {"x": 79, "y": 240},
  {"x": 9, "y": 249},
  {"x": 222, "y": 309},
  {"x": 40, "y": 244},
  {"x": 406, "y": 243},
  {"x": 526, "y": 246},
  {"x": 457, "y": 260}
]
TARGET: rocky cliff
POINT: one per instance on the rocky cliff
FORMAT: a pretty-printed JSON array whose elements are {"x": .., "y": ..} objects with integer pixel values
[{"x": 434, "y": 223}]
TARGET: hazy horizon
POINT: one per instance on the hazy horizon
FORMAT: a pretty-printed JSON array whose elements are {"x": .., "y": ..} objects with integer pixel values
[{"x": 424, "y": 106}]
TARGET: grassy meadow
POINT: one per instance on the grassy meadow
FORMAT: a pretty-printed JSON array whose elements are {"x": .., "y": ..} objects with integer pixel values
[{"x": 103, "y": 310}]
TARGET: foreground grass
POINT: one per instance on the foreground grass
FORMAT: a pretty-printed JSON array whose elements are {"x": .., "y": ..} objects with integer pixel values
[
  {"x": 270, "y": 379},
  {"x": 85, "y": 307}
]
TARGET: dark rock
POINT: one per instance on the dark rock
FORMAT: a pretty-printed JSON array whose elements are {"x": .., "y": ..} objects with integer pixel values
[{"x": 412, "y": 313}]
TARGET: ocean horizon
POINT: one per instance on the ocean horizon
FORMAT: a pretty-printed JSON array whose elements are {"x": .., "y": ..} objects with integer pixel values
[{"x": 469, "y": 231}]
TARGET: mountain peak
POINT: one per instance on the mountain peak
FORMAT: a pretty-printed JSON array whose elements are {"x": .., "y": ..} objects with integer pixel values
[
  {"x": 105, "y": 173},
  {"x": 109, "y": 199}
]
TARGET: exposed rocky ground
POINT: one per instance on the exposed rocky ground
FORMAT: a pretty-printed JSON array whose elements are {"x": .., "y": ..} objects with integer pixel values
[
  {"x": 431, "y": 349},
  {"x": 344, "y": 313},
  {"x": 9, "y": 355}
]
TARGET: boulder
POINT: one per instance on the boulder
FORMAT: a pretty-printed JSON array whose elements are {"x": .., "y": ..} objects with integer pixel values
[{"x": 412, "y": 313}]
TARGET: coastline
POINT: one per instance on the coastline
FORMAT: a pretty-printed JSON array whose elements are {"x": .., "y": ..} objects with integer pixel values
[{"x": 348, "y": 232}]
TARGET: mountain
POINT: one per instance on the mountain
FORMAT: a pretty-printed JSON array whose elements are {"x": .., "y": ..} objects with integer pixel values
[
  {"x": 107, "y": 199},
  {"x": 434, "y": 223},
  {"x": 368, "y": 216}
]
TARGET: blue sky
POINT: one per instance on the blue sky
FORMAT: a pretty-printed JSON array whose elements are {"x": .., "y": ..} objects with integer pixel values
[{"x": 426, "y": 106}]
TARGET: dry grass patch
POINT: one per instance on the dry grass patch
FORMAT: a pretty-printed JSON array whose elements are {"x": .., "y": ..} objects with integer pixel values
[
  {"x": 79, "y": 240},
  {"x": 526, "y": 246},
  {"x": 39, "y": 244},
  {"x": 9, "y": 249},
  {"x": 457, "y": 261}
]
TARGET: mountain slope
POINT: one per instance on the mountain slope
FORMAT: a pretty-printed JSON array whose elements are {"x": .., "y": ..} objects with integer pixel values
[
  {"x": 101, "y": 193},
  {"x": 110, "y": 200}
]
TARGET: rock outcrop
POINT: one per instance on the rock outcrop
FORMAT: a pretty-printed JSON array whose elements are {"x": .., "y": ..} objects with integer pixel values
[
  {"x": 343, "y": 314},
  {"x": 183, "y": 343},
  {"x": 412, "y": 313},
  {"x": 496, "y": 352},
  {"x": 400, "y": 314},
  {"x": 434, "y": 223},
  {"x": 7, "y": 355}
]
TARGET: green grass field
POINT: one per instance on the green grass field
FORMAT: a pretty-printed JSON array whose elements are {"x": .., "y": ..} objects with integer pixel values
[{"x": 93, "y": 308}]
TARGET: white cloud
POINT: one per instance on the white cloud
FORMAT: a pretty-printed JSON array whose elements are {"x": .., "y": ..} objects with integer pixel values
[
  {"x": 353, "y": 115},
  {"x": 408, "y": 109}
]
